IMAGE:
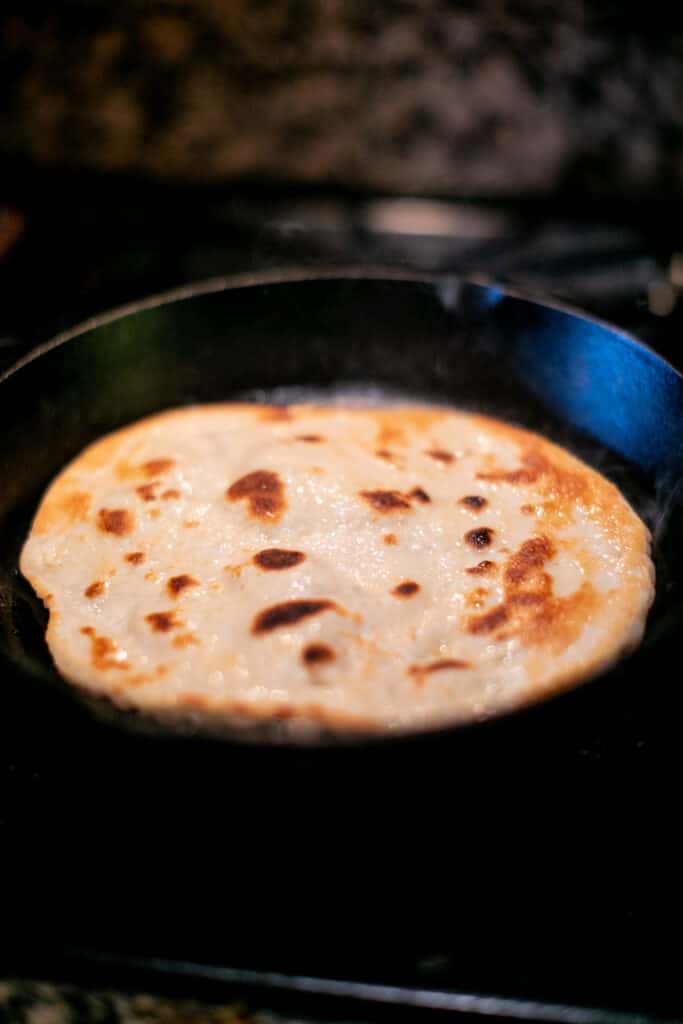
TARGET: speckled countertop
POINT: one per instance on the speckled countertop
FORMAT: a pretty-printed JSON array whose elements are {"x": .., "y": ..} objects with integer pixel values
[
  {"x": 37, "y": 1002},
  {"x": 525, "y": 97}
]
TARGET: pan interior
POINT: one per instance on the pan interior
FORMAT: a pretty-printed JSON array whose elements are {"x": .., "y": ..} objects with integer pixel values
[{"x": 365, "y": 341}]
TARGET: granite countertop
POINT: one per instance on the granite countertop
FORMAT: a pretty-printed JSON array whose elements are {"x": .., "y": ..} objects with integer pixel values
[
  {"x": 521, "y": 98},
  {"x": 38, "y": 1002}
]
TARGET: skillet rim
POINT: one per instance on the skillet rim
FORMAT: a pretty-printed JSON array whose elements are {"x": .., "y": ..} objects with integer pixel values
[{"x": 297, "y": 275}]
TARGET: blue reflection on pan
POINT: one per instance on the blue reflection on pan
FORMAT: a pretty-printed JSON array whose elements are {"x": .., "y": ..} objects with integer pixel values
[{"x": 598, "y": 379}]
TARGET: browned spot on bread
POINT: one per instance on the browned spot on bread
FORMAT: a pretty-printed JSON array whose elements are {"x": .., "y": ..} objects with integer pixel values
[
  {"x": 534, "y": 465},
  {"x": 559, "y": 621},
  {"x": 406, "y": 589},
  {"x": 288, "y": 613},
  {"x": 389, "y": 434},
  {"x": 264, "y": 492},
  {"x": 190, "y": 524},
  {"x": 525, "y": 563},
  {"x": 278, "y": 558},
  {"x": 529, "y": 609},
  {"x": 475, "y": 502},
  {"x": 139, "y": 679},
  {"x": 484, "y": 568},
  {"x": 317, "y": 654},
  {"x": 116, "y": 520},
  {"x": 390, "y": 538},
  {"x": 135, "y": 557},
  {"x": 392, "y": 424},
  {"x": 440, "y": 455},
  {"x": 310, "y": 438},
  {"x": 148, "y": 492},
  {"x": 147, "y": 677},
  {"x": 438, "y": 666},
  {"x": 527, "y": 510},
  {"x": 177, "y": 584},
  {"x": 384, "y": 453},
  {"x": 537, "y": 468},
  {"x": 104, "y": 651},
  {"x": 74, "y": 506},
  {"x": 186, "y": 640},
  {"x": 170, "y": 494},
  {"x": 393, "y": 501},
  {"x": 284, "y": 711},
  {"x": 194, "y": 700},
  {"x": 385, "y": 501},
  {"x": 153, "y": 467},
  {"x": 163, "y": 622},
  {"x": 95, "y": 589},
  {"x": 418, "y": 672},
  {"x": 557, "y": 514},
  {"x": 123, "y": 469},
  {"x": 481, "y": 537},
  {"x": 276, "y": 413},
  {"x": 490, "y": 621},
  {"x": 477, "y": 597}
]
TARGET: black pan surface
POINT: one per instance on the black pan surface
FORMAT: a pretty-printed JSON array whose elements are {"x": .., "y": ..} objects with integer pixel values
[{"x": 515, "y": 843}]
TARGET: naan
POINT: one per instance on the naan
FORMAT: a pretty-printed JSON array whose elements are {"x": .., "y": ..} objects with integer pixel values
[{"x": 334, "y": 568}]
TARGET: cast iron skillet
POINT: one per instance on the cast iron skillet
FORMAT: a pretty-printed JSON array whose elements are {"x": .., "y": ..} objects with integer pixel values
[{"x": 582, "y": 383}]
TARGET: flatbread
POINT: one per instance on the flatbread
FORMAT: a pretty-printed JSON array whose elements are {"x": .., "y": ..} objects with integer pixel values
[{"x": 334, "y": 568}]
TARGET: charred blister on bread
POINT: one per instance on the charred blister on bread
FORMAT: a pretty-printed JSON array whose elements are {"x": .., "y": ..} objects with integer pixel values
[
  {"x": 288, "y": 613},
  {"x": 408, "y": 588},
  {"x": 275, "y": 559},
  {"x": 263, "y": 492},
  {"x": 119, "y": 521}
]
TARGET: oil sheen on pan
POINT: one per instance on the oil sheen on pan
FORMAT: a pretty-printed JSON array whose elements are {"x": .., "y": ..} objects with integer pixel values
[{"x": 334, "y": 569}]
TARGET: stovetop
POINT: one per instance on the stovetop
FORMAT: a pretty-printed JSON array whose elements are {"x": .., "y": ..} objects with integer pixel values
[
  {"x": 71, "y": 248},
  {"x": 69, "y": 251}
]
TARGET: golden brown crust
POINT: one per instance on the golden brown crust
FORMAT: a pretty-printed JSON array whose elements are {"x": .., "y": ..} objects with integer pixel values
[
  {"x": 104, "y": 652},
  {"x": 66, "y": 507}
]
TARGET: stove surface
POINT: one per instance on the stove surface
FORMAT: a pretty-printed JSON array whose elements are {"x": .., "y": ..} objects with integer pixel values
[{"x": 72, "y": 248}]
